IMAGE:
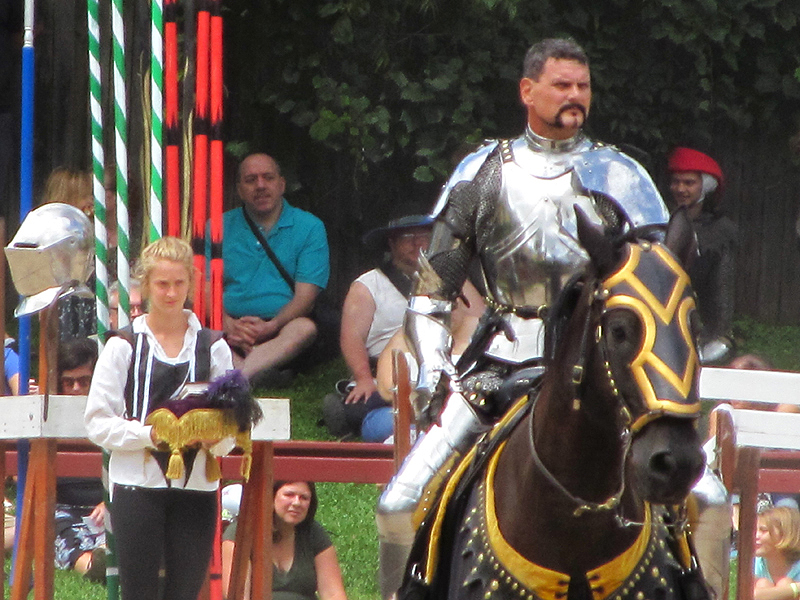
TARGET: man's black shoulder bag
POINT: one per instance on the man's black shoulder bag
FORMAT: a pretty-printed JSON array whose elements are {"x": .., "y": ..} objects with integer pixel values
[{"x": 327, "y": 316}]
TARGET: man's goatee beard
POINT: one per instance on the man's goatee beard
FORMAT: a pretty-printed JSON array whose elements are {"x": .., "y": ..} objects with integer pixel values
[{"x": 559, "y": 121}]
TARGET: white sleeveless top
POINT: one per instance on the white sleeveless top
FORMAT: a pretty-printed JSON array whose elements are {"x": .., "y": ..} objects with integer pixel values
[{"x": 390, "y": 307}]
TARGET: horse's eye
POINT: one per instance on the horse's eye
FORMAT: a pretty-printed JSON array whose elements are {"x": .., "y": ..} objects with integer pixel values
[{"x": 623, "y": 329}]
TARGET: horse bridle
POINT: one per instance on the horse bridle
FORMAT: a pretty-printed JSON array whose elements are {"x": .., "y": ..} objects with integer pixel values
[
  {"x": 624, "y": 288},
  {"x": 583, "y": 506},
  {"x": 666, "y": 388}
]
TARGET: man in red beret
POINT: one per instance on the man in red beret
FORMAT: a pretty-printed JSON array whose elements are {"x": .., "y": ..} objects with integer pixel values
[
  {"x": 694, "y": 176},
  {"x": 696, "y": 182}
]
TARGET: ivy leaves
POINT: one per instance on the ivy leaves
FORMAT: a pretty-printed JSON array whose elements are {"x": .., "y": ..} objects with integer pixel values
[{"x": 412, "y": 80}]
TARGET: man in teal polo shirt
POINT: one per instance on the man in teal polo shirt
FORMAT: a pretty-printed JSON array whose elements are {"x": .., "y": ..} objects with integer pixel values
[{"x": 267, "y": 319}]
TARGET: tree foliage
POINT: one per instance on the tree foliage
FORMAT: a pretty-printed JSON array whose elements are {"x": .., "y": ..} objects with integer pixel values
[{"x": 408, "y": 82}]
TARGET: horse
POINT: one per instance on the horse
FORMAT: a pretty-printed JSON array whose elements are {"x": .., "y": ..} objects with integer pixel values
[{"x": 576, "y": 493}]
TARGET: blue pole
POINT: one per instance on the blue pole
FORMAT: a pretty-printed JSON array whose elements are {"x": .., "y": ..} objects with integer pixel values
[
  {"x": 25, "y": 204},
  {"x": 26, "y": 177}
]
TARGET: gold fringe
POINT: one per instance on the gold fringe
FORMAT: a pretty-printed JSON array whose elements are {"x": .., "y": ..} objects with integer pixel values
[
  {"x": 175, "y": 468},
  {"x": 199, "y": 424},
  {"x": 247, "y": 462},
  {"x": 213, "y": 472}
]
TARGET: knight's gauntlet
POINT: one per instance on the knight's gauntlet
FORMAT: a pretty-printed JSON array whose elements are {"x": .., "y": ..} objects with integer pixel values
[{"x": 427, "y": 328}]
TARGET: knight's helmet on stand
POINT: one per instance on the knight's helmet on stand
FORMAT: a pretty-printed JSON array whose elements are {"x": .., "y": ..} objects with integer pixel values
[{"x": 51, "y": 256}]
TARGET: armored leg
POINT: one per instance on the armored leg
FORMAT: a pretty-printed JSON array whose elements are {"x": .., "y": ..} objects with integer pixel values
[
  {"x": 710, "y": 515},
  {"x": 408, "y": 497}
]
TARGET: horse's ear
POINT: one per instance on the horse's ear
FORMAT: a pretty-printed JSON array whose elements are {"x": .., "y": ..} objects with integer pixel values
[
  {"x": 595, "y": 242},
  {"x": 681, "y": 238}
]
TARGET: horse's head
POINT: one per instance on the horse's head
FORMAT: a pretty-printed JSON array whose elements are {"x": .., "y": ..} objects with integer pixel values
[{"x": 646, "y": 352}]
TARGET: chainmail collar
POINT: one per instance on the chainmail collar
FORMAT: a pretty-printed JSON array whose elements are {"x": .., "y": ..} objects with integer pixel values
[{"x": 537, "y": 143}]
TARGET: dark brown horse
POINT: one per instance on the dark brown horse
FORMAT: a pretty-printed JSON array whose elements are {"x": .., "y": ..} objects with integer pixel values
[{"x": 564, "y": 500}]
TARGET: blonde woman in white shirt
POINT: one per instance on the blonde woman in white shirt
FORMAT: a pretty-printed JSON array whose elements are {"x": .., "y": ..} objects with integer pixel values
[{"x": 153, "y": 517}]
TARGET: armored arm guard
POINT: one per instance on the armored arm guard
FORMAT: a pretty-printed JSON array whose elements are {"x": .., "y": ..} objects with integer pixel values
[
  {"x": 441, "y": 275},
  {"x": 427, "y": 327},
  {"x": 427, "y": 321}
]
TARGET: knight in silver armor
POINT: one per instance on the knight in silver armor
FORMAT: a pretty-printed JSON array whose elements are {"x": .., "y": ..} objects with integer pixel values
[{"x": 510, "y": 206}]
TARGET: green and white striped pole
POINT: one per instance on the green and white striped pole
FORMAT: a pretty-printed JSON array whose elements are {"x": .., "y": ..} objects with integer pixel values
[
  {"x": 123, "y": 235},
  {"x": 121, "y": 153},
  {"x": 155, "y": 227},
  {"x": 98, "y": 162},
  {"x": 101, "y": 248}
]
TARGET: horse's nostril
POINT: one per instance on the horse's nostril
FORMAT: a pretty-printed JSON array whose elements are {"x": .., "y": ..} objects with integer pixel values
[{"x": 663, "y": 463}]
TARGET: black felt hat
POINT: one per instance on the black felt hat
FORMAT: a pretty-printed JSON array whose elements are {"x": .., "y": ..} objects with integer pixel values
[{"x": 380, "y": 235}]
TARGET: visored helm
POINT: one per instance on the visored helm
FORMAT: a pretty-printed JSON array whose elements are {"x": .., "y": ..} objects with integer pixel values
[{"x": 51, "y": 256}]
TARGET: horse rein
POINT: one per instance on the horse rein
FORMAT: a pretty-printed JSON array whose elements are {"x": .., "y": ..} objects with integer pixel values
[
  {"x": 583, "y": 506},
  {"x": 598, "y": 297}
]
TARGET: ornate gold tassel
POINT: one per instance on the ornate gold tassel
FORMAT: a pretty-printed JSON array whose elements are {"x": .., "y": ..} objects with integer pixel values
[
  {"x": 175, "y": 468},
  {"x": 247, "y": 462},
  {"x": 213, "y": 472}
]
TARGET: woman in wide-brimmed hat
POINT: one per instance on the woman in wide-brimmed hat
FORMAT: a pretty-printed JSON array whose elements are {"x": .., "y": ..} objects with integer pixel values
[{"x": 373, "y": 311}]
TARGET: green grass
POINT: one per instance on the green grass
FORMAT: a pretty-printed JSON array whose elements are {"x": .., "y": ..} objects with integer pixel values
[
  {"x": 347, "y": 511},
  {"x": 777, "y": 343},
  {"x": 305, "y": 394},
  {"x": 68, "y": 585}
]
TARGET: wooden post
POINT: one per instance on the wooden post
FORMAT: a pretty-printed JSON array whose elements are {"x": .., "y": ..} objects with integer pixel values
[
  {"x": 37, "y": 528},
  {"x": 253, "y": 548},
  {"x": 402, "y": 408},
  {"x": 747, "y": 474},
  {"x": 43, "y": 459}
]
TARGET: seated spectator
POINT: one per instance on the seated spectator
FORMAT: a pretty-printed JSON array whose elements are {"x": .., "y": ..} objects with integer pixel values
[
  {"x": 373, "y": 311},
  {"x": 696, "y": 183},
  {"x": 11, "y": 369},
  {"x": 304, "y": 559},
  {"x": 777, "y": 560},
  {"x": 269, "y": 301},
  {"x": 134, "y": 296},
  {"x": 80, "y": 512},
  {"x": 76, "y": 360},
  {"x": 10, "y": 387}
]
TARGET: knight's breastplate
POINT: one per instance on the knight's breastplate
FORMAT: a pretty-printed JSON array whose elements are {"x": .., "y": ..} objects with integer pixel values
[{"x": 532, "y": 248}]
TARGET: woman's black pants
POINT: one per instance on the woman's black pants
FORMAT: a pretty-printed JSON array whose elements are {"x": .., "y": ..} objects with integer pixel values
[{"x": 162, "y": 525}]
